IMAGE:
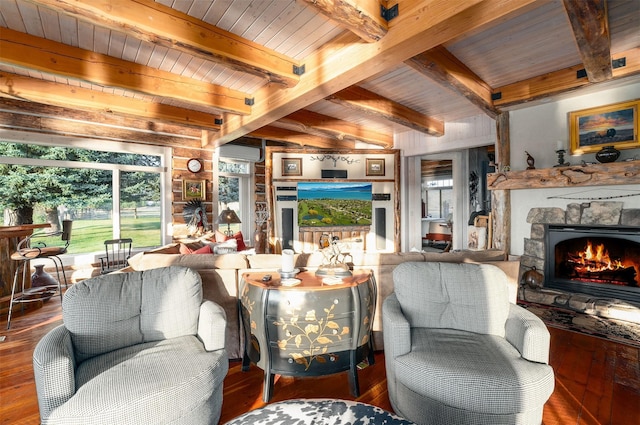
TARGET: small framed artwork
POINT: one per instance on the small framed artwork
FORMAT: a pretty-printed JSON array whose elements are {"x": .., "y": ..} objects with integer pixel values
[
  {"x": 291, "y": 167},
  {"x": 194, "y": 189},
  {"x": 375, "y": 167},
  {"x": 612, "y": 125}
]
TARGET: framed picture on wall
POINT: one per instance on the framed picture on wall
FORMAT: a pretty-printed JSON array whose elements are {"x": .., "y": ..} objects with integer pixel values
[
  {"x": 194, "y": 189},
  {"x": 612, "y": 125},
  {"x": 375, "y": 167},
  {"x": 291, "y": 166}
]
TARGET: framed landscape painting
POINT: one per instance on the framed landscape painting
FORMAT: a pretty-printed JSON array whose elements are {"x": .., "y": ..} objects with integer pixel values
[
  {"x": 612, "y": 125},
  {"x": 194, "y": 189}
]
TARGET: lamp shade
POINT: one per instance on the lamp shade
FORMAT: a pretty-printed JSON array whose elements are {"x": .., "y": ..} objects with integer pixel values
[{"x": 228, "y": 216}]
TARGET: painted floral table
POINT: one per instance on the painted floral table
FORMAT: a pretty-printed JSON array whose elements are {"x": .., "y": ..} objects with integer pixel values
[{"x": 312, "y": 328}]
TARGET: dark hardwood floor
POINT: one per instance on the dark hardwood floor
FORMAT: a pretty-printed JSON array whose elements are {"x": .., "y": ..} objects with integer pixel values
[{"x": 597, "y": 381}]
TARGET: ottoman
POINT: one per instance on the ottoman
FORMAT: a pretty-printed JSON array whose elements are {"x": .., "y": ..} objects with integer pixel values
[{"x": 318, "y": 412}]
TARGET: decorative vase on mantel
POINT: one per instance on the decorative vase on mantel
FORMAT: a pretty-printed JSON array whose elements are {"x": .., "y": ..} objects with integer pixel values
[{"x": 607, "y": 154}]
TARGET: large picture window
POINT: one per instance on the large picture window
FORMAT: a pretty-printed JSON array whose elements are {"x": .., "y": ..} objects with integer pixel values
[{"x": 108, "y": 194}]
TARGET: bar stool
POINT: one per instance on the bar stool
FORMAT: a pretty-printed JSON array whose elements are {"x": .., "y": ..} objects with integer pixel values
[{"x": 26, "y": 252}]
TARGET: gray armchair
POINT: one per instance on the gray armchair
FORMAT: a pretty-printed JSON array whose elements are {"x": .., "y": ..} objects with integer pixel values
[
  {"x": 457, "y": 351},
  {"x": 135, "y": 348}
]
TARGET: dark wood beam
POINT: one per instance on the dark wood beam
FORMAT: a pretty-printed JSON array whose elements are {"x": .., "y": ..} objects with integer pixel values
[
  {"x": 18, "y": 87},
  {"x": 322, "y": 125},
  {"x": 370, "y": 103},
  {"x": 590, "y": 25},
  {"x": 306, "y": 140},
  {"x": 164, "y": 26},
  {"x": 360, "y": 17},
  {"x": 38, "y": 118},
  {"x": 561, "y": 81},
  {"x": 440, "y": 65}
]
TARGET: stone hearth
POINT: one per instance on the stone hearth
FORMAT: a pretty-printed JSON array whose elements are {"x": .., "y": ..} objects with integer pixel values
[{"x": 589, "y": 213}]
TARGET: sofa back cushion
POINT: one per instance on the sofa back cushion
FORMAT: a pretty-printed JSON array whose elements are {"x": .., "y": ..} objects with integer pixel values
[
  {"x": 147, "y": 261},
  {"x": 469, "y": 297},
  {"x": 118, "y": 310}
]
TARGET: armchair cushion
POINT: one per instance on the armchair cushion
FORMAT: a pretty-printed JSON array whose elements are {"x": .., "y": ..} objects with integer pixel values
[
  {"x": 142, "y": 372},
  {"x": 450, "y": 297},
  {"x": 473, "y": 372}
]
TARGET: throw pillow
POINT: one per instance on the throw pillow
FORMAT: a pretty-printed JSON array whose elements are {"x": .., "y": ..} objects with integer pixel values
[
  {"x": 220, "y": 237},
  {"x": 204, "y": 250},
  {"x": 189, "y": 248},
  {"x": 238, "y": 237}
]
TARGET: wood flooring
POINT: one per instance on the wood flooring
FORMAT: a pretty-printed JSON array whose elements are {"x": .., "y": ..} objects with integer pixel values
[{"x": 597, "y": 381}]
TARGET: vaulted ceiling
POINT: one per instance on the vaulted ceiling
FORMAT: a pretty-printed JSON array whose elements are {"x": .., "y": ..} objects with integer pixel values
[{"x": 322, "y": 73}]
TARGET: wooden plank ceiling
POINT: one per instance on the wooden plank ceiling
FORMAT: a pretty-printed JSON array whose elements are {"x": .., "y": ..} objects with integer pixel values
[{"x": 321, "y": 73}]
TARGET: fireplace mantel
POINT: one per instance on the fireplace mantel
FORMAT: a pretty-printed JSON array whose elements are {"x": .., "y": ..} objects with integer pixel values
[{"x": 615, "y": 173}]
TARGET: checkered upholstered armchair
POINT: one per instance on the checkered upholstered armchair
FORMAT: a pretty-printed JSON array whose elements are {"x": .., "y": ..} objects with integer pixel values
[
  {"x": 457, "y": 351},
  {"x": 135, "y": 348}
]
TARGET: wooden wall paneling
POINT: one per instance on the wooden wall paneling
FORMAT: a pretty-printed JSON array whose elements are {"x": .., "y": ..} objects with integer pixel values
[{"x": 179, "y": 172}]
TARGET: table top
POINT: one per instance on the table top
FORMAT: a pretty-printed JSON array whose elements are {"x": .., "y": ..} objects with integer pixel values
[
  {"x": 308, "y": 280},
  {"x": 21, "y": 229}
]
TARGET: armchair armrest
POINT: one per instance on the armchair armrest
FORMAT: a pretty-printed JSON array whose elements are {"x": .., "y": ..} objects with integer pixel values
[
  {"x": 212, "y": 326},
  {"x": 396, "y": 329},
  {"x": 528, "y": 333},
  {"x": 54, "y": 366}
]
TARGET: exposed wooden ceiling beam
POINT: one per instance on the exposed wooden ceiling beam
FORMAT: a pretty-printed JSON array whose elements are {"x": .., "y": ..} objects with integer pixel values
[
  {"x": 101, "y": 119},
  {"x": 361, "y": 17},
  {"x": 561, "y": 81},
  {"x": 39, "y": 118},
  {"x": 309, "y": 140},
  {"x": 375, "y": 105},
  {"x": 164, "y": 26},
  {"x": 326, "y": 126},
  {"x": 27, "y": 51},
  {"x": 440, "y": 65},
  {"x": 590, "y": 25},
  {"x": 342, "y": 63},
  {"x": 18, "y": 87}
]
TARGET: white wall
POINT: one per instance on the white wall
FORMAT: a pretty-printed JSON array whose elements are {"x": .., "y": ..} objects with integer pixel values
[{"x": 536, "y": 130}]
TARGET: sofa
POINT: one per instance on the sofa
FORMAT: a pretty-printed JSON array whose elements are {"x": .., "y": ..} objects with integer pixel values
[{"x": 222, "y": 273}]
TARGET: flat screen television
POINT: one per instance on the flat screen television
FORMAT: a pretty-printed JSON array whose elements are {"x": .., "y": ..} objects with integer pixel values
[{"x": 334, "y": 204}]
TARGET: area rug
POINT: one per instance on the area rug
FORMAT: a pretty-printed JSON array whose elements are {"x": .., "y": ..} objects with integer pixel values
[
  {"x": 601, "y": 327},
  {"x": 319, "y": 412}
]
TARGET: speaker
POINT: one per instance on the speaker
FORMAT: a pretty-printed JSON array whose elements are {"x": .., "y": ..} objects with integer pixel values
[
  {"x": 381, "y": 228},
  {"x": 287, "y": 228},
  {"x": 333, "y": 174}
]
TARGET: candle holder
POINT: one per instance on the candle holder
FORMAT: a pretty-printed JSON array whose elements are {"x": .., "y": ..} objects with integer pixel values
[{"x": 561, "y": 162}]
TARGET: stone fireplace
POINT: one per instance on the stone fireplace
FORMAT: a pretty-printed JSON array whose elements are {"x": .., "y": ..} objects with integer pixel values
[{"x": 589, "y": 255}]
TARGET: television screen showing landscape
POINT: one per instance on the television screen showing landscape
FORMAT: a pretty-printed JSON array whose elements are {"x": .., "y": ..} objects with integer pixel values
[{"x": 334, "y": 204}]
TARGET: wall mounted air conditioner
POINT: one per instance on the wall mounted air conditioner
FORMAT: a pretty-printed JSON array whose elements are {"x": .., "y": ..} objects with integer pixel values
[{"x": 243, "y": 153}]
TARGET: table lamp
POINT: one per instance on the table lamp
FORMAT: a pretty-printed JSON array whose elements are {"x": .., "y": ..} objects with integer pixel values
[{"x": 228, "y": 216}]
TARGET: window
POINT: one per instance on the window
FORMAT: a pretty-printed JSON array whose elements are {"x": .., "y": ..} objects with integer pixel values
[
  {"x": 234, "y": 191},
  {"x": 439, "y": 198},
  {"x": 108, "y": 194}
]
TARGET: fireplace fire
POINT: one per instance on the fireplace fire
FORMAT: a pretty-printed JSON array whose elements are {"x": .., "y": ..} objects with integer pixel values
[
  {"x": 594, "y": 264},
  {"x": 597, "y": 260}
]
